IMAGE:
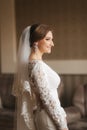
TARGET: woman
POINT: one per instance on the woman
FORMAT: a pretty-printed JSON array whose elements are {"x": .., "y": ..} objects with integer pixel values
[{"x": 38, "y": 105}]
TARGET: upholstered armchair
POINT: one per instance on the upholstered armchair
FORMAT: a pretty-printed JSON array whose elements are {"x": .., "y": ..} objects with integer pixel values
[
  {"x": 7, "y": 102},
  {"x": 77, "y": 113}
]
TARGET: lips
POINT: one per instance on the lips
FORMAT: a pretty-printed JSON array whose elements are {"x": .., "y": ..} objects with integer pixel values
[{"x": 49, "y": 47}]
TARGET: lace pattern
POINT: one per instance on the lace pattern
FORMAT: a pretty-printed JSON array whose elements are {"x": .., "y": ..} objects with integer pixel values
[
  {"x": 53, "y": 107},
  {"x": 26, "y": 111}
]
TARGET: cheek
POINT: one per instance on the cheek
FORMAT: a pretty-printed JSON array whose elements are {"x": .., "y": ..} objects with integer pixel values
[
  {"x": 45, "y": 47},
  {"x": 42, "y": 46}
]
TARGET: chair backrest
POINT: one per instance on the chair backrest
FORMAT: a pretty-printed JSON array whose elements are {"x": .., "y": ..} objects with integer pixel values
[
  {"x": 7, "y": 99},
  {"x": 79, "y": 99},
  {"x": 85, "y": 96}
]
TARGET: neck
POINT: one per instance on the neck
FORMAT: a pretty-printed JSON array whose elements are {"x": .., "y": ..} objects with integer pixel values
[{"x": 36, "y": 55}]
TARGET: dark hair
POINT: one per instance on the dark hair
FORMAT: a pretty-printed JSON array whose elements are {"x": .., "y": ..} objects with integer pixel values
[{"x": 38, "y": 32}]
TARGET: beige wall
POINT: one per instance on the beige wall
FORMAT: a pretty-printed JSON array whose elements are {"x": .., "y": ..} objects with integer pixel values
[
  {"x": 68, "y": 19},
  {"x": 7, "y": 36}
]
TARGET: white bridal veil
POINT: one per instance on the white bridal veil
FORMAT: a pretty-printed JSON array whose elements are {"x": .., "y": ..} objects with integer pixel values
[{"x": 21, "y": 87}]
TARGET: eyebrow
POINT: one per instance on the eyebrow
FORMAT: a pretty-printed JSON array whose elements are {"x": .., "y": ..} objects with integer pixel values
[{"x": 48, "y": 37}]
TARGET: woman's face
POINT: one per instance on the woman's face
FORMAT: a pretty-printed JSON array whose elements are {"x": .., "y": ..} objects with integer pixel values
[{"x": 46, "y": 43}]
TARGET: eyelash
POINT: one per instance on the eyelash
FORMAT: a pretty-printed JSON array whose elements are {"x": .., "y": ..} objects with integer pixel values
[{"x": 48, "y": 39}]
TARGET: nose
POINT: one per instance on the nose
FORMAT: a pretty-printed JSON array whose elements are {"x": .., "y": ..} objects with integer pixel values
[{"x": 52, "y": 43}]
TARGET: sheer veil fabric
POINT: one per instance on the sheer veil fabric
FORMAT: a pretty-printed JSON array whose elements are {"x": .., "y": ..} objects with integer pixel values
[{"x": 21, "y": 87}]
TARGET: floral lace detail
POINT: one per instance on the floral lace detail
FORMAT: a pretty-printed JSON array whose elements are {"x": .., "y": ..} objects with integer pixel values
[
  {"x": 26, "y": 87},
  {"x": 26, "y": 113},
  {"x": 39, "y": 78}
]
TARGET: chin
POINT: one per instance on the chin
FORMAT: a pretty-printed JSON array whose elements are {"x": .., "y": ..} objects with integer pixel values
[{"x": 48, "y": 52}]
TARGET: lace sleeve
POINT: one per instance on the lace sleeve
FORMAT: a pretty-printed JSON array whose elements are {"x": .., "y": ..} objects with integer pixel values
[{"x": 52, "y": 106}]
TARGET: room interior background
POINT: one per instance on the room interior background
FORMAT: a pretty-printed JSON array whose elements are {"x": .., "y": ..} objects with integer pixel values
[{"x": 69, "y": 21}]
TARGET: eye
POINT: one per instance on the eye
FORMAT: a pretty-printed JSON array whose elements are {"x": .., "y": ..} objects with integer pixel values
[{"x": 47, "y": 39}]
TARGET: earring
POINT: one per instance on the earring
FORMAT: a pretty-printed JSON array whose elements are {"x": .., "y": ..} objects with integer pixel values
[{"x": 35, "y": 47}]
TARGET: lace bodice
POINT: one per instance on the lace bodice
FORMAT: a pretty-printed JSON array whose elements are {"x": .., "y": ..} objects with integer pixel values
[{"x": 45, "y": 82}]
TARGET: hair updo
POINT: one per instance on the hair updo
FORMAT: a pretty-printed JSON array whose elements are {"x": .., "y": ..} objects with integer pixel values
[{"x": 38, "y": 32}]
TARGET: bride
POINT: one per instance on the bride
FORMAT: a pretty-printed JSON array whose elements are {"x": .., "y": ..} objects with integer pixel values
[{"x": 36, "y": 83}]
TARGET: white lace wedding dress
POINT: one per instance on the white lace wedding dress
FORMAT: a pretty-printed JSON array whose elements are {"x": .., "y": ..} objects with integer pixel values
[
  {"x": 45, "y": 82},
  {"x": 48, "y": 114}
]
